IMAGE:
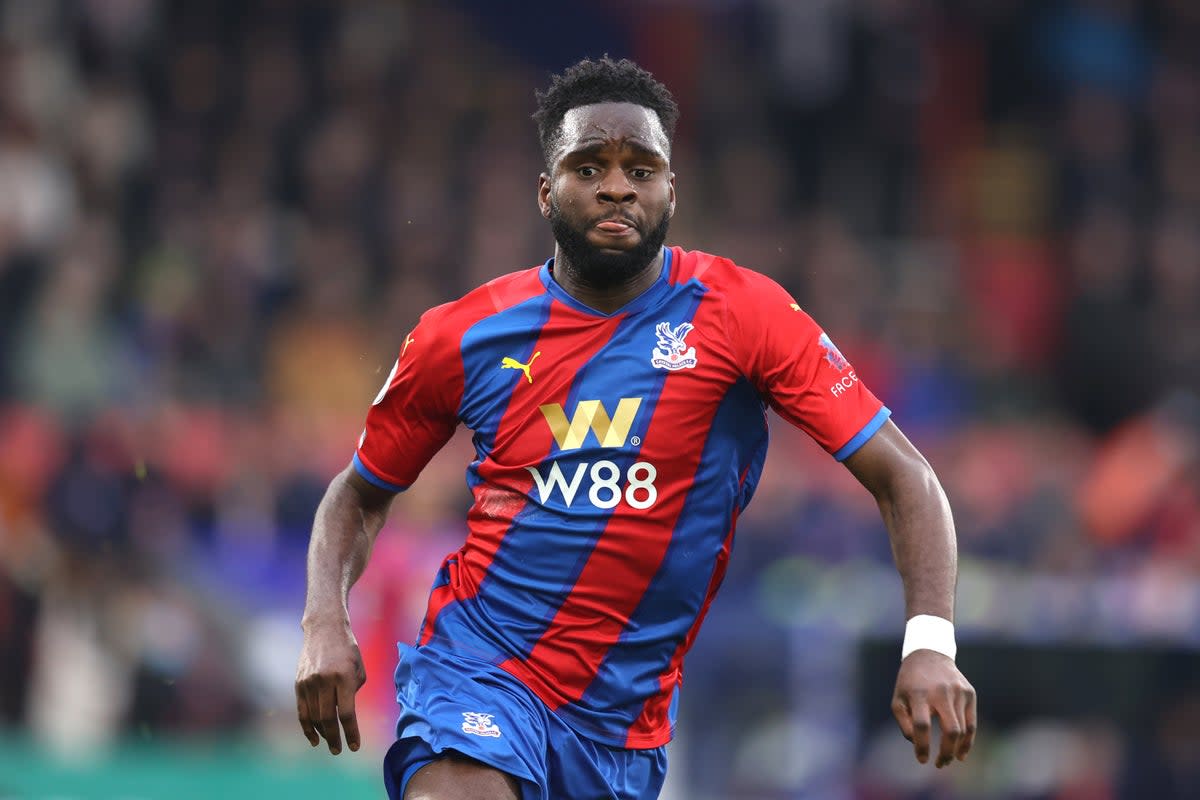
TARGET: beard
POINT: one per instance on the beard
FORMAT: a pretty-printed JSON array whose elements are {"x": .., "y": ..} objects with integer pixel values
[{"x": 598, "y": 269}]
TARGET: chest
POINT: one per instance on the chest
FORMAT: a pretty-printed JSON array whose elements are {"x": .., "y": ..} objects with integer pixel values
[{"x": 577, "y": 386}]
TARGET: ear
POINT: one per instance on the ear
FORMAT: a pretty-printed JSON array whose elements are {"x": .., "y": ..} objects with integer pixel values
[
  {"x": 543, "y": 195},
  {"x": 671, "y": 194}
]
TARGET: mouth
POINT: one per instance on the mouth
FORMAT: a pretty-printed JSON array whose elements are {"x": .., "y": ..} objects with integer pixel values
[{"x": 616, "y": 226}]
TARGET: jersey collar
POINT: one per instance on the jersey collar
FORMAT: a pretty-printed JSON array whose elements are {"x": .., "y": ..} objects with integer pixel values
[{"x": 646, "y": 299}]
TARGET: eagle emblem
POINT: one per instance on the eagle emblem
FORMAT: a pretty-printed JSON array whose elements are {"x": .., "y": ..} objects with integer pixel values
[
  {"x": 480, "y": 724},
  {"x": 672, "y": 351}
]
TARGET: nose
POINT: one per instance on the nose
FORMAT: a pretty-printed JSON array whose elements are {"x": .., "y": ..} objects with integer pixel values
[{"x": 616, "y": 188}]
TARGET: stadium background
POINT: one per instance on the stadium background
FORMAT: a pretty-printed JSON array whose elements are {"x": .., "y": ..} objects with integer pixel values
[{"x": 218, "y": 220}]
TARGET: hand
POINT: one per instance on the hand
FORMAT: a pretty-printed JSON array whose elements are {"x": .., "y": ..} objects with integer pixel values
[
  {"x": 330, "y": 672},
  {"x": 929, "y": 684}
]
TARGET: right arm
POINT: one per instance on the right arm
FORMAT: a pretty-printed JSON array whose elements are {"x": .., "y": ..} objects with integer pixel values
[
  {"x": 412, "y": 417},
  {"x": 330, "y": 672}
]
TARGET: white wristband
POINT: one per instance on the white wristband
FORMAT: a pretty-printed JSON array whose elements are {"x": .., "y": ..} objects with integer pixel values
[{"x": 927, "y": 632}]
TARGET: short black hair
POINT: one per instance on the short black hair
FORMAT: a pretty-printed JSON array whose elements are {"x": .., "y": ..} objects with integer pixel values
[{"x": 600, "y": 81}]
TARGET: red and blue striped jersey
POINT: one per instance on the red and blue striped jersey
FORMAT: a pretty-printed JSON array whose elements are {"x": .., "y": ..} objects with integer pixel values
[{"x": 613, "y": 454}]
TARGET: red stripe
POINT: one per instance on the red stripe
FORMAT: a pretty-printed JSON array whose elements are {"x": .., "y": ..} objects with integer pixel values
[
  {"x": 687, "y": 265},
  {"x": 567, "y": 341},
  {"x": 651, "y": 728},
  {"x": 617, "y": 574},
  {"x": 439, "y": 598}
]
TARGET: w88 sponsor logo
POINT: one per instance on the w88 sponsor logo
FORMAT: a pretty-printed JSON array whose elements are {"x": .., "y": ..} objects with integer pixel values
[
  {"x": 610, "y": 431},
  {"x": 606, "y": 488}
]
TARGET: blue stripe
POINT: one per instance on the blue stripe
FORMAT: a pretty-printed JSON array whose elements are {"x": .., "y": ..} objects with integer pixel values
[
  {"x": 488, "y": 392},
  {"x": 735, "y": 445},
  {"x": 488, "y": 389},
  {"x": 547, "y": 533},
  {"x": 543, "y": 537},
  {"x": 374, "y": 479},
  {"x": 860, "y": 438}
]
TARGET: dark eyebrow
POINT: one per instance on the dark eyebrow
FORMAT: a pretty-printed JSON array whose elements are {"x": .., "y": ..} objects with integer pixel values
[{"x": 596, "y": 145}]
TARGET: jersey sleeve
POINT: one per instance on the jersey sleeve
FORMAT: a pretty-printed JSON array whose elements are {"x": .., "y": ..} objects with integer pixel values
[
  {"x": 416, "y": 410},
  {"x": 800, "y": 372}
]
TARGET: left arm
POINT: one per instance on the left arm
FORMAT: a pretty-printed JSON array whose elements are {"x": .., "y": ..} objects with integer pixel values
[{"x": 921, "y": 531}]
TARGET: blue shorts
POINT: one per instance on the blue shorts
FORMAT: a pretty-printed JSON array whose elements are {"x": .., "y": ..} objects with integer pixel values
[{"x": 463, "y": 705}]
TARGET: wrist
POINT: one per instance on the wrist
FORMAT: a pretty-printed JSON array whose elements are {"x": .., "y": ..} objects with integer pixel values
[
  {"x": 927, "y": 632},
  {"x": 318, "y": 620}
]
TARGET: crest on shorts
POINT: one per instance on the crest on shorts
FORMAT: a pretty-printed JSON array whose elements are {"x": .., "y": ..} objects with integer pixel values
[
  {"x": 478, "y": 724},
  {"x": 672, "y": 352}
]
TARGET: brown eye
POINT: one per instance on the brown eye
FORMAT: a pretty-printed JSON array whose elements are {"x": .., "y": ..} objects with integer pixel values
[{"x": 587, "y": 172}]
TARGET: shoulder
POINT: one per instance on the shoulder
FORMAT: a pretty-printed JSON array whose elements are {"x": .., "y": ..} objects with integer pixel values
[
  {"x": 726, "y": 278},
  {"x": 451, "y": 320}
]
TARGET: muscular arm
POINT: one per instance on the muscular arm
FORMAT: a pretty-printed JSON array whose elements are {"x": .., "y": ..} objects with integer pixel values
[
  {"x": 331, "y": 670},
  {"x": 921, "y": 531},
  {"x": 917, "y": 516},
  {"x": 347, "y": 521}
]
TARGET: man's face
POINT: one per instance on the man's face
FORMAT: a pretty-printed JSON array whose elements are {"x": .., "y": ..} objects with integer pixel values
[{"x": 611, "y": 193}]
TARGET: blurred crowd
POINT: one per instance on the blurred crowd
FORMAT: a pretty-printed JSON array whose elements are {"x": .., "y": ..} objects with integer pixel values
[{"x": 218, "y": 221}]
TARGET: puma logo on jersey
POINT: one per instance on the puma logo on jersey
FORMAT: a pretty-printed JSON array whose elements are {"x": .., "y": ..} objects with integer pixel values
[{"x": 512, "y": 363}]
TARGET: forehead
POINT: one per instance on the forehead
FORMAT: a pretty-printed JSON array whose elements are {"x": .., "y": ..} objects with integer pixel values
[{"x": 602, "y": 124}]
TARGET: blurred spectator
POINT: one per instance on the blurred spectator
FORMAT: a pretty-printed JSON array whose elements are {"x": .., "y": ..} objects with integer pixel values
[{"x": 1109, "y": 367}]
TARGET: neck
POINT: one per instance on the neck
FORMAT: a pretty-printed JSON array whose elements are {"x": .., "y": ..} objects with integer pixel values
[{"x": 609, "y": 299}]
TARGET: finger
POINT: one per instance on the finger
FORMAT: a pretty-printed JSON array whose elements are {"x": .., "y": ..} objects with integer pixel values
[
  {"x": 968, "y": 737},
  {"x": 312, "y": 703},
  {"x": 346, "y": 715},
  {"x": 944, "y": 707},
  {"x": 918, "y": 708},
  {"x": 313, "y": 696},
  {"x": 903, "y": 717},
  {"x": 327, "y": 714},
  {"x": 306, "y": 721}
]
